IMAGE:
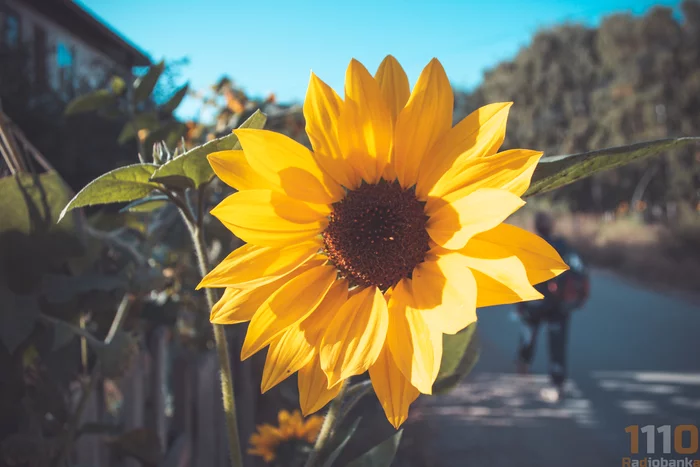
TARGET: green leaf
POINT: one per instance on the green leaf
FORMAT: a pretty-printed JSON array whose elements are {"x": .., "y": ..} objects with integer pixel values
[
  {"x": 18, "y": 314},
  {"x": 147, "y": 120},
  {"x": 144, "y": 85},
  {"x": 117, "y": 85},
  {"x": 172, "y": 104},
  {"x": 31, "y": 204},
  {"x": 120, "y": 185},
  {"x": 459, "y": 355},
  {"x": 62, "y": 335},
  {"x": 31, "y": 242},
  {"x": 333, "y": 456},
  {"x": 192, "y": 169},
  {"x": 60, "y": 288},
  {"x": 90, "y": 102},
  {"x": 382, "y": 455},
  {"x": 556, "y": 171},
  {"x": 148, "y": 204}
]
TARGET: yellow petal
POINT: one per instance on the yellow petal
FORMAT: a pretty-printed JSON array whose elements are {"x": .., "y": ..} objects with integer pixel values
[
  {"x": 233, "y": 169},
  {"x": 436, "y": 336},
  {"x": 445, "y": 290},
  {"x": 239, "y": 305},
  {"x": 409, "y": 339},
  {"x": 541, "y": 260},
  {"x": 287, "y": 306},
  {"x": 393, "y": 84},
  {"x": 453, "y": 224},
  {"x": 253, "y": 266},
  {"x": 283, "y": 162},
  {"x": 228, "y": 309},
  {"x": 509, "y": 170},
  {"x": 356, "y": 335},
  {"x": 314, "y": 392},
  {"x": 364, "y": 126},
  {"x": 426, "y": 118},
  {"x": 297, "y": 345},
  {"x": 267, "y": 218},
  {"x": 492, "y": 292},
  {"x": 389, "y": 172},
  {"x": 393, "y": 389},
  {"x": 321, "y": 110},
  {"x": 286, "y": 355},
  {"x": 479, "y": 134},
  {"x": 501, "y": 281},
  {"x": 316, "y": 324}
]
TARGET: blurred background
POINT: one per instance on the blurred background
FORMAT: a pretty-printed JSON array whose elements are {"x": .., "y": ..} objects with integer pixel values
[{"x": 86, "y": 87}]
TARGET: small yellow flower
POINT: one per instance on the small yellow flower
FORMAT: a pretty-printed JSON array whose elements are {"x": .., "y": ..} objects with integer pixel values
[
  {"x": 362, "y": 253},
  {"x": 267, "y": 441}
]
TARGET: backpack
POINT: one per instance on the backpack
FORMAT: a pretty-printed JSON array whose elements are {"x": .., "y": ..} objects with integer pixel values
[
  {"x": 565, "y": 293},
  {"x": 571, "y": 289}
]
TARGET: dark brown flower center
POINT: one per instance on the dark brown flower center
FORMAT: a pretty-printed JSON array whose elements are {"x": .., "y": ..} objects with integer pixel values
[{"x": 376, "y": 234}]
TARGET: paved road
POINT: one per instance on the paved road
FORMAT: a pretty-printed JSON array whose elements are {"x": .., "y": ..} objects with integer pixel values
[{"x": 634, "y": 359}]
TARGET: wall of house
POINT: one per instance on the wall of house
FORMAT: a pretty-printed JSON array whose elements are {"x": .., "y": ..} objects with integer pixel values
[{"x": 71, "y": 65}]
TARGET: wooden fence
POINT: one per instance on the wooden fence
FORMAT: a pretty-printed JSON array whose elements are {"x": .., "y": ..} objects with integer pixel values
[{"x": 170, "y": 408}]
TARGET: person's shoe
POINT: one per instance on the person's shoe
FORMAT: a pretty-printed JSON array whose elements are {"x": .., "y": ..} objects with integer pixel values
[{"x": 552, "y": 394}]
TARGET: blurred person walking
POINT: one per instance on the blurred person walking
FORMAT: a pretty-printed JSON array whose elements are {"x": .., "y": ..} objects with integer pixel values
[{"x": 562, "y": 295}]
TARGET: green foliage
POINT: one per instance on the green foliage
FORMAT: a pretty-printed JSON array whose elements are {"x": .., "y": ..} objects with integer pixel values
[
  {"x": 31, "y": 243},
  {"x": 120, "y": 185},
  {"x": 148, "y": 204},
  {"x": 556, "y": 171},
  {"x": 342, "y": 439},
  {"x": 59, "y": 288},
  {"x": 382, "y": 455},
  {"x": 144, "y": 85},
  {"x": 17, "y": 317},
  {"x": 32, "y": 203},
  {"x": 91, "y": 102},
  {"x": 175, "y": 100},
  {"x": 145, "y": 120},
  {"x": 459, "y": 355},
  {"x": 139, "y": 112},
  {"x": 192, "y": 169},
  {"x": 169, "y": 133},
  {"x": 117, "y": 85}
]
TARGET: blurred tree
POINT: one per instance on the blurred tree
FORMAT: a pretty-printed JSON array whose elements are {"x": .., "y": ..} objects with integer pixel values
[{"x": 578, "y": 88}]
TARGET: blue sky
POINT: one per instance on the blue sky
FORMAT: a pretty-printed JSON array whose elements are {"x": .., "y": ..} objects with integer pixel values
[{"x": 271, "y": 46}]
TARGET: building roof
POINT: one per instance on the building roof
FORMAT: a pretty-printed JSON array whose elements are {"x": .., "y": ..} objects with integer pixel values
[{"x": 86, "y": 25}]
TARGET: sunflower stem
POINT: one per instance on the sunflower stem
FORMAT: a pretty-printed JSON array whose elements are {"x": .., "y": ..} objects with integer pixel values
[
  {"x": 328, "y": 427},
  {"x": 227, "y": 391}
]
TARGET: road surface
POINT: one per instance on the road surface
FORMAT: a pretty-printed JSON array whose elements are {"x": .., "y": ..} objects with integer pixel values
[{"x": 634, "y": 360}]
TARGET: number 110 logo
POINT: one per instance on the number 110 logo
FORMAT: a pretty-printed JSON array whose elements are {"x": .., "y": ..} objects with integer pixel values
[{"x": 650, "y": 431}]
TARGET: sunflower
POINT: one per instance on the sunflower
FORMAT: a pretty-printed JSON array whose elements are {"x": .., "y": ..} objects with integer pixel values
[
  {"x": 362, "y": 253},
  {"x": 285, "y": 440}
]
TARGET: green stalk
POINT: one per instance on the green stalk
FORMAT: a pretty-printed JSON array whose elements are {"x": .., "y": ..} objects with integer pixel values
[
  {"x": 328, "y": 427},
  {"x": 222, "y": 351}
]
